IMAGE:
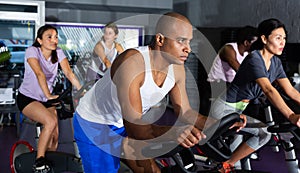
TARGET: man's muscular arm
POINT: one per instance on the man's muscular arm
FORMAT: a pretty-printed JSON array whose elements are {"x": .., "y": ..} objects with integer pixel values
[{"x": 228, "y": 55}]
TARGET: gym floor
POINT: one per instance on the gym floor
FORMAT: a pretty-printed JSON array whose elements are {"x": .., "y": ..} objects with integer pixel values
[
  {"x": 268, "y": 162},
  {"x": 8, "y": 136}
]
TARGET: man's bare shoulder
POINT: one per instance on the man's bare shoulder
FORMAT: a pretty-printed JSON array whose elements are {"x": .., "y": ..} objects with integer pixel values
[
  {"x": 227, "y": 48},
  {"x": 227, "y": 52},
  {"x": 129, "y": 55},
  {"x": 179, "y": 72},
  {"x": 129, "y": 60}
]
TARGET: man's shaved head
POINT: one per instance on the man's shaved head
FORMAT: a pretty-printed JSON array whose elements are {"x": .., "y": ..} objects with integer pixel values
[{"x": 165, "y": 24}]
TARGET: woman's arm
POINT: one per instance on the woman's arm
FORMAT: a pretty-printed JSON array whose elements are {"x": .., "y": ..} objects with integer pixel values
[
  {"x": 35, "y": 66},
  {"x": 65, "y": 66},
  {"x": 99, "y": 51},
  {"x": 119, "y": 48},
  {"x": 287, "y": 87},
  {"x": 275, "y": 98}
]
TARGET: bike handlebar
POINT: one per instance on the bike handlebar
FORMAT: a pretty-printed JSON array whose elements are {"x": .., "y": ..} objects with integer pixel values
[{"x": 52, "y": 102}]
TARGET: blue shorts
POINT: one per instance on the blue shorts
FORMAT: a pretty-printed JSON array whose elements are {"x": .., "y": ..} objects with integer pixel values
[{"x": 99, "y": 145}]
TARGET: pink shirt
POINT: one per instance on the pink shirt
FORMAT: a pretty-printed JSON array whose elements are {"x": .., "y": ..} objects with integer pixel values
[
  {"x": 30, "y": 86},
  {"x": 221, "y": 70}
]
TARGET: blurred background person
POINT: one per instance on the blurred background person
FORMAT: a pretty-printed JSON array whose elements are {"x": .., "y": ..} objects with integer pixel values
[{"x": 105, "y": 52}]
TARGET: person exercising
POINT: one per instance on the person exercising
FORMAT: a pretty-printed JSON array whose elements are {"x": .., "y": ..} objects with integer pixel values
[
  {"x": 41, "y": 67},
  {"x": 255, "y": 76},
  {"x": 114, "y": 108},
  {"x": 231, "y": 55},
  {"x": 105, "y": 52}
]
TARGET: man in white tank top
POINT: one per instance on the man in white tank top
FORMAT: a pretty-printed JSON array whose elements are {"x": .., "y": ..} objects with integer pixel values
[
  {"x": 227, "y": 62},
  {"x": 138, "y": 80},
  {"x": 231, "y": 56}
]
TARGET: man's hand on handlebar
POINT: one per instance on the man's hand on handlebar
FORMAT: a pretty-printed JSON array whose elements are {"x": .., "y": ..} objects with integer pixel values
[
  {"x": 241, "y": 124},
  {"x": 189, "y": 136},
  {"x": 295, "y": 119}
]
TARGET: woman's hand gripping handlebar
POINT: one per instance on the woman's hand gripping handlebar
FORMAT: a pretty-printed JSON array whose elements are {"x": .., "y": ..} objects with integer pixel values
[
  {"x": 55, "y": 101},
  {"x": 62, "y": 111}
]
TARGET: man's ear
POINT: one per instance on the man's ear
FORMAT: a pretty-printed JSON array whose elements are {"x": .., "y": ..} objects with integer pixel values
[
  {"x": 246, "y": 43},
  {"x": 159, "y": 39}
]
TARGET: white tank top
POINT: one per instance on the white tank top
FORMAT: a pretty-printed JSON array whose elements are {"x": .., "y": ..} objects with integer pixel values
[
  {"x": 96, "y": 63},
  {"x": 221, "y": 70},
  {"x": 151, "y": 93},
  {"x": 101, "y": 105},
  {"x": 111, "y": 54}
]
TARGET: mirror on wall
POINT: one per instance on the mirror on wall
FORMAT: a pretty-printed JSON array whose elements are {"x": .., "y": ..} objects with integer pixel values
[{"x": 78, "y": 41}]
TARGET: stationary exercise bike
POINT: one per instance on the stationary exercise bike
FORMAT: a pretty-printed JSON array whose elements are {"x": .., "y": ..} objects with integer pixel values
[
  {"x": 183, "y": 160},
  {"x": 22, "y": 155},
  {"x": 293, "y": 132},
  {"x": 216, "y": 150},
  {"x": 287, "y": 134}
]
